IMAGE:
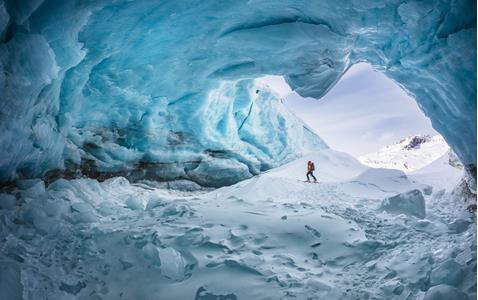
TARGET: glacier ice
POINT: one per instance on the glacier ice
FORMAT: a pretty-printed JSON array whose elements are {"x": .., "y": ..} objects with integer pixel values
[
  {"x": 167, "y": 90},
  {"x": 409, "y": 203},
  {"x": 10, "y": 281},
  {"x": 445, "y": 292},
  {"x": 449, "y": 273}
]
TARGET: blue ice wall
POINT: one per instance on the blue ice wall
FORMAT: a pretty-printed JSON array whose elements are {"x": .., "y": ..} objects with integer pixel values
[{"x": 166, "y": 89}]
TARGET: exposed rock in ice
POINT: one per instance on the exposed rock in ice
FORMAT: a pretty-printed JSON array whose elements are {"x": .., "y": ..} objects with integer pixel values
[{"x": 410, "y": 203}]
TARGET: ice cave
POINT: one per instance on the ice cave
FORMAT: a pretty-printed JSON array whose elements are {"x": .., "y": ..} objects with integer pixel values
[{"x": 141, "y": 157}]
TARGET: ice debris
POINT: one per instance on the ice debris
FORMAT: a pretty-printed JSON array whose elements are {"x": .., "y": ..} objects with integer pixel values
[{"x": 410, "y": 203}]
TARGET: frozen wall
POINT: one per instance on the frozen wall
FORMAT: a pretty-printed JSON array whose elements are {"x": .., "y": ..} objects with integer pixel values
[{"x": 165, "y": 89}]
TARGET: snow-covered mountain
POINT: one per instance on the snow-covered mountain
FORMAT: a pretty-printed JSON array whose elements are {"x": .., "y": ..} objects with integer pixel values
[{"x": 409, "y": 154}]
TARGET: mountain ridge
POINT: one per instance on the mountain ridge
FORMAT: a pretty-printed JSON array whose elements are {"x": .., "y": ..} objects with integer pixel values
[{"x": 409, "y": 154}]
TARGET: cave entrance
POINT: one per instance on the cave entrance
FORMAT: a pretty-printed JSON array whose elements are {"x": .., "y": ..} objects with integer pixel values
[{"x": 363, "y": 113}]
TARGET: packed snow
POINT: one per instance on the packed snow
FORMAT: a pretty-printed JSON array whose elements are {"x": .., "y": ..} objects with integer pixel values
[
  {"x": 409, "y": 154},
  {"x": 359, "y": 233},
  {"x": 132, "y": 88}
]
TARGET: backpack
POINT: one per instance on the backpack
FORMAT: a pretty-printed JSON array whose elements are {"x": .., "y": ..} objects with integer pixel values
[{"x": 312, "y": 167}]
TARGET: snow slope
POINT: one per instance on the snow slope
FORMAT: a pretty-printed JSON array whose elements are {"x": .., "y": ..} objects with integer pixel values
[
  {"x": 409, "y": 154},
  {"x": 269, "y": 237},
  {"x": 444, "y": 172}
]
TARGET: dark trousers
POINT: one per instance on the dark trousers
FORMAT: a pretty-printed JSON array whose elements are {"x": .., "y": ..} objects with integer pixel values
[{"x": 311, "y": 174}]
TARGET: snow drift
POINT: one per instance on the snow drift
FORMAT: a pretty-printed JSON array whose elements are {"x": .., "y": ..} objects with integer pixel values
[{"x": 166, "y": 90}]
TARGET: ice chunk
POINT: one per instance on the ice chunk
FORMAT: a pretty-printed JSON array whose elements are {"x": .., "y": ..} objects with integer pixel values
[
  {"x": 445, "y": 292},
  {"x": 155, "y": 202},
  {"x": 411, "y": 203},
  {"x": 151, "y": 252},
  {"x": 219, "y": 172},
  {"x": 136, "y": 202},
  {"x": 192, "y": 237},
  {"x": 203, "y": 294},
  {"x": 458, "y": 226},
  {"x": 184, "y": 185},
  {"x": 72, "y": 288},
  {"x": 10, "y": 281},
  {"x": 7, "y": 201},
  {"x": 448, "y": 272},
  {"x": 173, "y": 264},
  {"x": 31, "y": 187},
  {"x": 82, "y": 213},
  {"x": 318, "y": 285},
  {"x": 4, "y": 18}
]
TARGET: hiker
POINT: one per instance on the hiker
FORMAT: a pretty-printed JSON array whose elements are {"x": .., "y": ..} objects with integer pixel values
[{"x": 310, "y": 171}]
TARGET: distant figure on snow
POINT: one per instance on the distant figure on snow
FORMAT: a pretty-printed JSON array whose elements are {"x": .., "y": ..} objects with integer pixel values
[{"x": 310, "y": 171}]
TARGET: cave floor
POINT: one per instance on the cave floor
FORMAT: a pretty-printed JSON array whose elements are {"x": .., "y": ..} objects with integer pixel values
[{"x": 269, "y": 237}]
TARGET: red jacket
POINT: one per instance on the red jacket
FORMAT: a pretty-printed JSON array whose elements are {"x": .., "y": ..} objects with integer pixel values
[{"x": 310, "y": 167}]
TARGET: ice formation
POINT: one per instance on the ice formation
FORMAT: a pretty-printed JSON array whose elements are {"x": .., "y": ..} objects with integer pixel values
[
  {"x": 150, "y": 89},
  {"x": 410, "y": 203}
]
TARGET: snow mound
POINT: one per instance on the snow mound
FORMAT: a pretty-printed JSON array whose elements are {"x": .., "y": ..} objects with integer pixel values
[
  {"x": 445, "y": 171},
  {"x": 330, "y": 166},
  {"x": 410, "y": 203},
  {"x": 384, "y": 182}
]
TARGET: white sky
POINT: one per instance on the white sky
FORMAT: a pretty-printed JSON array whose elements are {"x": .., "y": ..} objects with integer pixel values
[{"x": 363, "y": 112}]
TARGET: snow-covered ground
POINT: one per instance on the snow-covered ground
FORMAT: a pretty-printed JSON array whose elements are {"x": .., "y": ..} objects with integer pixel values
[
  {"x": 409, "y": 154},
  {"x": 269, "y": 237}
]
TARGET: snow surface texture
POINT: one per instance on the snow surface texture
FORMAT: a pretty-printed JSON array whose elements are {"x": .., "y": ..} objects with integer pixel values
[
  {"x": 269, "y": 237},
  {"x": 165, "y": 89},
  {"x": 410, "y": 154}
]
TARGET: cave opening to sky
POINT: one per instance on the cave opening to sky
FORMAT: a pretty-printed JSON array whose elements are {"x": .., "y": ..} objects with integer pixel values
[{"x": 362, "y": 113}]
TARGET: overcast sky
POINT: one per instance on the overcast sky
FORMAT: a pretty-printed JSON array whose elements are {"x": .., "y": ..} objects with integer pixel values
[{"x": 362, "y": 113}]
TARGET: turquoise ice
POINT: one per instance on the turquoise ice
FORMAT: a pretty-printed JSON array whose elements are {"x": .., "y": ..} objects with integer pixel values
[{"x": 166, "y": 90}]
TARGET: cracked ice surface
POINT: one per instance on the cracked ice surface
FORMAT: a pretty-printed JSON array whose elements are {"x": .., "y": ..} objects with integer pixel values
[{"x": 166, "y": 90}]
